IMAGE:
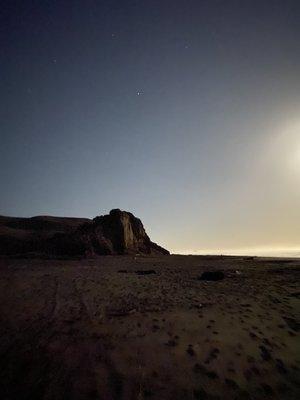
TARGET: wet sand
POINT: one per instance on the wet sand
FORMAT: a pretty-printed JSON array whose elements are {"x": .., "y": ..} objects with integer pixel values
[{"x": 97, "y": 329}]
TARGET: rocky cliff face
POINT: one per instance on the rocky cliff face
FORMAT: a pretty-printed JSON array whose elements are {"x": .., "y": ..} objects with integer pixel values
[{"x": 119, "y": 232}]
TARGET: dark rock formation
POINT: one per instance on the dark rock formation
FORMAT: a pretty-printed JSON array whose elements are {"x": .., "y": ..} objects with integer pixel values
[
  {"x": 119, "y": 232},
  {"x": 212, "y": 276}
]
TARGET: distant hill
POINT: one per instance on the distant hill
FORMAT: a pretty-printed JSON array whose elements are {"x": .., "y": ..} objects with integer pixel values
[{"x": 119, "y": 232}]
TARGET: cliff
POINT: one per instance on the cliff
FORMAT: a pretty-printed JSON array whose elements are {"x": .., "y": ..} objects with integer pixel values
[{"x": 119, "y": 232}]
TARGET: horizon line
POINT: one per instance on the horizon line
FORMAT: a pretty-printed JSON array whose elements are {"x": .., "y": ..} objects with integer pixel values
[{"x": 287, "y": 251}]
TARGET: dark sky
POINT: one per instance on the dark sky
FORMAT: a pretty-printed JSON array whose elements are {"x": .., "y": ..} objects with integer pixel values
[{"x": 186, "y": 113}]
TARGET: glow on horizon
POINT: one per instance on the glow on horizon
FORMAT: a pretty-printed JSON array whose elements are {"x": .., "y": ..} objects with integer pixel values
[{"x": 252, "y": 251}]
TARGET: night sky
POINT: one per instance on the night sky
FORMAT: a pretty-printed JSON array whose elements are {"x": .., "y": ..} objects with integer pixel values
[{"x": 186, "y": 113}]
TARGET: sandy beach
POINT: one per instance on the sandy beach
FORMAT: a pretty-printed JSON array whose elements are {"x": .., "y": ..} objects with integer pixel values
[{"x": 123, "y": 327}]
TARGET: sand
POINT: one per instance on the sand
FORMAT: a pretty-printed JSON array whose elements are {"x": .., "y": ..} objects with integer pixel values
[{"x": 96, "y": 329}]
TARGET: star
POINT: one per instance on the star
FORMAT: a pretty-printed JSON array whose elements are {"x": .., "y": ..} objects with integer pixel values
[{"x": 138, "y": 93}]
